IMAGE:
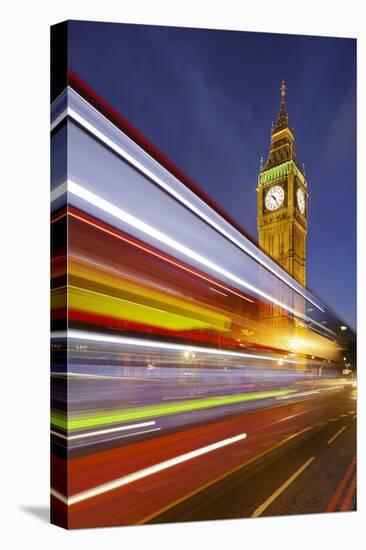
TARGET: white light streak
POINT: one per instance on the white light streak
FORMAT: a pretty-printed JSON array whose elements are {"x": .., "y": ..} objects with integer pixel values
[
  {"x": 301, "y": 394},
  {"x": 96, "y": 433},
  {"x": 140, "y": 342},
  {"x": 150, "y": 174},
  {"x": 218, "y": 291},
  {"x": 130, "y": 478},
  {"x": 135, "y": 222}
]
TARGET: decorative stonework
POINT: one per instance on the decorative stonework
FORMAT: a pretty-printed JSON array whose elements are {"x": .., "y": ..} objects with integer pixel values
[{"x": 282, "y": 230}]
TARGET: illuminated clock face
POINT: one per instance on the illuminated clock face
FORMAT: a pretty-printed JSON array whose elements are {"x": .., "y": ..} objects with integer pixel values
[
  {"x": 275, "y": 197},
  {"x": 300, "y": 195}
]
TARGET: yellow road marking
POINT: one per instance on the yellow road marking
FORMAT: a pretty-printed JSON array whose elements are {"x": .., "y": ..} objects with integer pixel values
[
  {"x": 280, "y": 490},
  {"x": 219, "y": 478},
  {"x": 336, "y": 435}
]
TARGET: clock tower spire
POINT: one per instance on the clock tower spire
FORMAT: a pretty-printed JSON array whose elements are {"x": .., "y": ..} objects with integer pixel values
[{"x": 282, "y": 200}]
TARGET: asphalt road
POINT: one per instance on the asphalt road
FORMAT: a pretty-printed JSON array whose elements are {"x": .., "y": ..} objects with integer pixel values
[
  {"x": 293, "y": 457},
  {"x": 313, "y": 472}
]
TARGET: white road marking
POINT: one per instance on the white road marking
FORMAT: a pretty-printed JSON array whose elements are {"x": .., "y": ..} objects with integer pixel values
[
  {"x": 280, "y": 490},
  {"x": 130, "y": 478},
  {"x": 336, "y": 435},
  {"x": 288, "y": 417},
  {"x": 298, "y": 433}
]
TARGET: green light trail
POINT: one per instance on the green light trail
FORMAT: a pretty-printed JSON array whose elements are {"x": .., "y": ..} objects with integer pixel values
[{"x": 126, "y": 415}]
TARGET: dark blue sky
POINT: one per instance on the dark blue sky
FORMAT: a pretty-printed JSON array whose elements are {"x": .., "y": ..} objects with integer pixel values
[{"x": 207, "y": 98}]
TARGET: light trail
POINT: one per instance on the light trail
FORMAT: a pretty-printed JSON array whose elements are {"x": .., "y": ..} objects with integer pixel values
[
  {"x": 151, "y": 175},
  {"x": 109, "y": 377},
  {"x": 96, "y": 433},
  {"x": 218, "y": 291},
  {"x": 107, "y": 304},
  {"x": 89, "y": 420},
  {"x": 157, "y": 255},
  {"x": 169, "y": 260},
  {"x": 311, "y": 392},
  {"x": 141, "y": 342},
  {"x": 118, "y": 436},
  {"x": 301, "y": 394},
  {"x": 130, "y": 478},
  {"x": 119, "y": 213},
  {"x": 135, "y": 222}
]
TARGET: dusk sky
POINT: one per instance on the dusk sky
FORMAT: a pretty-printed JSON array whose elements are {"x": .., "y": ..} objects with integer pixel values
[{"x": 207, "y": 99}]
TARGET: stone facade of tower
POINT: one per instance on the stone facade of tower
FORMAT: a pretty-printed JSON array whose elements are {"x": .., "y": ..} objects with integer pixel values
[{"x": 282, "y": 200}]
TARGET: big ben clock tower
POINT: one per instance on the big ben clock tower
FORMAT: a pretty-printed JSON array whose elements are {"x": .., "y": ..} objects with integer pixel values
[{"x": 282, "y": 200}]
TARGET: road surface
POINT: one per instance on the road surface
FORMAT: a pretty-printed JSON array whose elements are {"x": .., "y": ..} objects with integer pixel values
[{"x": 293, "y": 457}]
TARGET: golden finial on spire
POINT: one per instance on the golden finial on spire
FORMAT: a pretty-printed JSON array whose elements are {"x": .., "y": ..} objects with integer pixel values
[{"x": 283, "y": 89}]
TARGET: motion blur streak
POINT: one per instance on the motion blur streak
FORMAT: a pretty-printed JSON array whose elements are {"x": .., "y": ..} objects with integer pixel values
[
  {"x": 102, "y": 432},
  {"x": 97, "y": 201},
  {"x": 114, "y": 416},
  {"x": 152, "y": 252},
  {"x": 94, "y": 337},
  {"x": 149, "y": 471},
  {"x": 130, "y": 158},
  {"x": 173, "y": 335}
]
